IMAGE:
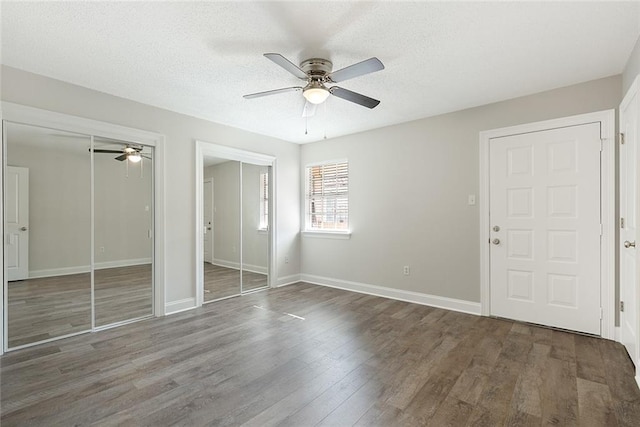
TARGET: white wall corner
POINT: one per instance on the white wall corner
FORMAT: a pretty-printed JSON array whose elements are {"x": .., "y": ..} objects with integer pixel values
[
  {"x": 178, "y": 306},
  {"x": 287, "y": 280},
  {"x": 446, "y": 303}
]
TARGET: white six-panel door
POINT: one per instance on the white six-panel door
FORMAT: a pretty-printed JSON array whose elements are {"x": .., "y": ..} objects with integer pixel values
[
  {"x": 629, "y": 159},
  {"x": 17, "y": 223},
  {"x": 545, "y": 227},
  {"x": 207, "y": 204}
]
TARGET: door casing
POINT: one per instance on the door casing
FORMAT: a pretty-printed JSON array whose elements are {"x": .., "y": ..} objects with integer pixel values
[{"x": 607, "y": 207}]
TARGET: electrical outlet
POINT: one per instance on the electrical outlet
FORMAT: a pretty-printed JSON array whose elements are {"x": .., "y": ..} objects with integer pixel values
[
  {"x": 405, "y": 270},
  {"x": 472, "y": 199},
  {"x": 286, "y": 260},
  {"x": 102, "y": 249}
]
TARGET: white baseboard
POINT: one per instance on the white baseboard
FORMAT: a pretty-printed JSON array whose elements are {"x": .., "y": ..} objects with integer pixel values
[
  {"x": 64, "y": 271},
  {"x": 397, "y": 294},
  {"x": 174, "y": 307},
  {"x": 236, "y": 266},
  {"x": 287, "y": 280}
]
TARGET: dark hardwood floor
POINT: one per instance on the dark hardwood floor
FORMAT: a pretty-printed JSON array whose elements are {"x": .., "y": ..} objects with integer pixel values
[
  {"x": 346, "y": 359},
  {"x": 50, "y": 307},
  {"x": 222, "y": 282}
]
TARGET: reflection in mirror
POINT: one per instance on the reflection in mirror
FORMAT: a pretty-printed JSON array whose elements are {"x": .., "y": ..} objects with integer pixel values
[
  {"x": 47, "y": 233},
  {"x": 123, "y": 218},
  {"x": 221, "y": 215},
  {"x": 255, "y": 221}
]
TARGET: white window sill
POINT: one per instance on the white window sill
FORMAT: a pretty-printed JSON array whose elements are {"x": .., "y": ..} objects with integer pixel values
[{"x": 345, "y": 235}]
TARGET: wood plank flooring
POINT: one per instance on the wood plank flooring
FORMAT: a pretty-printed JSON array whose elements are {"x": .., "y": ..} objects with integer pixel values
[
  {"x": 354, "y": 360},
  {"x": 50, "y": 307},
  {"x": 222, "y": 282}
]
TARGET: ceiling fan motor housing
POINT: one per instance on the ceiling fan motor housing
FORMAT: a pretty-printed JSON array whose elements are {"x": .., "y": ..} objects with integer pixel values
[{"x": 317, "y": 68}]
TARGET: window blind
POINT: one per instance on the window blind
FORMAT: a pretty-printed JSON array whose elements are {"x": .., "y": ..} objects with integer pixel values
[{"x": 328, "y": 196}]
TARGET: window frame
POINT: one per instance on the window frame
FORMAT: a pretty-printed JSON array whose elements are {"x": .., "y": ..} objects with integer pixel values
[
  {"x": 309, "y": 229},
  {"x": 263, "y": 195}
]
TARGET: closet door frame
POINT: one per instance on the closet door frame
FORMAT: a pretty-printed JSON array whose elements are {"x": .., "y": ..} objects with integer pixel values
[
  {"x": 25, "y": 115},
  {"x": 209, "y": 149}
]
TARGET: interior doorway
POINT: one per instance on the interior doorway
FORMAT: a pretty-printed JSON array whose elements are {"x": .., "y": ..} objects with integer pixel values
[
  {"x": 241, "y": 221},
  {"x": 547, "y": 215}
]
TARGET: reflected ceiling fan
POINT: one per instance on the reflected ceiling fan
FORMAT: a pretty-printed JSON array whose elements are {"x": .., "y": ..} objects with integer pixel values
[
  {"x": 317, "y": 73},
  {"x": 130, "y": 152}
]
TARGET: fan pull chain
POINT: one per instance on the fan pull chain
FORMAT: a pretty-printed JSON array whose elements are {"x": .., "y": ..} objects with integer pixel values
[
  {"x": 325, "y": 120},
  {"x": 127, "y": 163},
  {"x": 306, "y": 122},
  {"x": 141, "y": 167}
]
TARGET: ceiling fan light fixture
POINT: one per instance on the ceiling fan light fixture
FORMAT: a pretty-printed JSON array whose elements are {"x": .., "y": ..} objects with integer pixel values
[
  {"x": 316, "y": 94},
  {"x": 134, "y": 157}
]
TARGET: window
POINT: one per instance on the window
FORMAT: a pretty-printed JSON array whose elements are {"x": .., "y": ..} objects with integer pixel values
[
  {"x": 327, "y": 197},
  {"x": 264, "y": 201}
]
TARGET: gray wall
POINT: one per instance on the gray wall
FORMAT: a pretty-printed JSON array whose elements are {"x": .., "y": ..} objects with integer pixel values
[
  {"x": 181, "y": 131},
  {"x": 632, "y": 69},
  {"x": 409, "y": 186},
  {"x": 226, "y": 218},
  {"x": 60, "y": 205}
]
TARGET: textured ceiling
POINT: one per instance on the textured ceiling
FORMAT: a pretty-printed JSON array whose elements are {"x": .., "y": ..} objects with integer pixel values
[{"x": 199, "y": 58}]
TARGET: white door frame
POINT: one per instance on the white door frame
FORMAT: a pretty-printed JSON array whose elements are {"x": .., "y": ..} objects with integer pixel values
[
  {"x": 607, "y": 207},
  {"x": 44, "y": 118},
  {"x": 210, "y": 179},
  {"x": 209, "y": 149}
]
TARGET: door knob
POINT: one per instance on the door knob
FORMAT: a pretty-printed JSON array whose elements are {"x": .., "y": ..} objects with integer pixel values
[
  {"x": 496, "y": 241},
  {"x": 496, "y": 228},
  {"x": 628, "y": 244},
  {"x": 23, "y": 228}
]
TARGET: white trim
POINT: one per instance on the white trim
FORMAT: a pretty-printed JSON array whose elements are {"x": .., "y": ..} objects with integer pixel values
[
  {"x": 288, "y": 280},
  {"x": 203, "y": 149},
  {"x": 65, "y": 271},
  {"x": 236, "y": 266},
  {"x": 318, "y": 234},
  {"x": 446, "y": 303},
  {"x": 617, "y": 334},
  {"x": 607, "y": 182},
  {"x": 179, "y": 306},
  {"x": 50, "y": 119}
]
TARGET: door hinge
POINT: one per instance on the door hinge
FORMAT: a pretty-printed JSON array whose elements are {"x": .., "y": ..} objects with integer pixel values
[
  {"x": 621, "y": 305},
  {"x": 621, "y": 138},
  {"x": 621, "y": 222}
]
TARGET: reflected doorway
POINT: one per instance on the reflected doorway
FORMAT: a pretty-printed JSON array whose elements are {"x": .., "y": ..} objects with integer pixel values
[{"x": 234, "y": 230}]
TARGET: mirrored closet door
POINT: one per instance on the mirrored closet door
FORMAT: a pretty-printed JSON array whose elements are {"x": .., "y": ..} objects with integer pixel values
[
  {"x": 235, "y": 227},
  {"x": 221, "y": 213},
  {"x": 123, "y": 246},
  {"x": 78, "y": 233},
  {"x": 47, "y": 234}
]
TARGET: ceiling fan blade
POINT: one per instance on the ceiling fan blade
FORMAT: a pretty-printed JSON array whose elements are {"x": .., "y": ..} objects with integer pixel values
[
  {"x": 272, "y": 92},
  {"x": 358, "y": 98},
  {"x": 122, "y": 157},
  {"x": 287, "y": 65},
  {"x": 361, "y": 68},
  {"x": 309, "y": 109},
  {"x": 100, "y": 150}
]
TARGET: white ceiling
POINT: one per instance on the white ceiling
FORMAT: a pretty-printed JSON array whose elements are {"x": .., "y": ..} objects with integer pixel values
[{"x": 199, "y": 58}]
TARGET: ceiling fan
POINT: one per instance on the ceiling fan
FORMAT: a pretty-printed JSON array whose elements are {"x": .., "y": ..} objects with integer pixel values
[
  {"x": 317, "y": 73},
  {"x": 130, "y": 152}
]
